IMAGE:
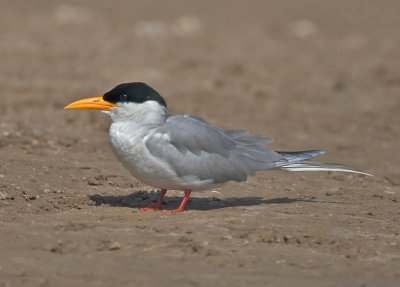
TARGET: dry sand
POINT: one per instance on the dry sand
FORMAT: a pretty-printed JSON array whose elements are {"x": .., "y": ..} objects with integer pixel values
[{"x": 312, "y": 74}]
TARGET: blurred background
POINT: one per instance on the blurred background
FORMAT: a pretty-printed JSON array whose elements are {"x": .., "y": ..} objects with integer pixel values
[{"x": 310, "y": 73}]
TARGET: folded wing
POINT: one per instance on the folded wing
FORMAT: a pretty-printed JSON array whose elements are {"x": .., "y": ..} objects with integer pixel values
[{"x": 193, "y": 148}]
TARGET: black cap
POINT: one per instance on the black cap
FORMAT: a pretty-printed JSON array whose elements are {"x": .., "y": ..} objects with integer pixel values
[{"x": 133, "y": 92}]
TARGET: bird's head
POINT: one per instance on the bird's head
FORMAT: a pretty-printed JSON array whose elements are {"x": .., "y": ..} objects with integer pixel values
[
  {"x": 136, "y": 102},
  {"x": 121, "y": 96}
]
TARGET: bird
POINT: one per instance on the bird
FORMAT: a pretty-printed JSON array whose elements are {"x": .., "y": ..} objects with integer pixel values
[{"x": 185, "y": 152}]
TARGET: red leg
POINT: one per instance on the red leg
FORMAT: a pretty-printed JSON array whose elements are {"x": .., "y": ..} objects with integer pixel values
[
  {"x": 181, "y": 207},
  {"x": 158, "y": 204}
]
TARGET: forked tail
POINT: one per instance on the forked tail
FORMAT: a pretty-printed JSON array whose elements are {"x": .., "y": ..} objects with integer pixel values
[{"x": 298, "y": 161}]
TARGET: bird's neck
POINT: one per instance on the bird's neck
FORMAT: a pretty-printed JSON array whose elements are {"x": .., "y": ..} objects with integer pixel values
[{"x": 147, "y": 113}]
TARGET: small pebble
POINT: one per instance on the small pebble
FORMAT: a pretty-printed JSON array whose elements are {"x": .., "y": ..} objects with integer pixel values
[{"x": 115, "y": 245}]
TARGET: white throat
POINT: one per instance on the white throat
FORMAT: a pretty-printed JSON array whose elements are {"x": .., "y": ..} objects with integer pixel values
[{"x": 147, "y": 113}]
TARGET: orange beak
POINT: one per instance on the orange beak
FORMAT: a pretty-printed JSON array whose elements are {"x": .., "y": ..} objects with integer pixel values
[{"x": 96, "y": 103}]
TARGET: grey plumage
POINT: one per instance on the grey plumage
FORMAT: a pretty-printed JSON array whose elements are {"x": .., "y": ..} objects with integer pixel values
[
  {"x": 298, "y": 156},
  {"x": 192, "y": 147}
]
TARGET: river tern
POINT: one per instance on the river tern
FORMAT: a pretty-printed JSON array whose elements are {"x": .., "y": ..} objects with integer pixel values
[{"x": 184, "y": 152}]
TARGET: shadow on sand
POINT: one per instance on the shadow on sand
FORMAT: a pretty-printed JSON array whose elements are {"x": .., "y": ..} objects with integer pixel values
[{"x": 142, "y": 198}]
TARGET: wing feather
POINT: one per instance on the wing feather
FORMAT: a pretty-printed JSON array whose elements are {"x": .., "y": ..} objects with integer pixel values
[{"x": 192, "y": 147}]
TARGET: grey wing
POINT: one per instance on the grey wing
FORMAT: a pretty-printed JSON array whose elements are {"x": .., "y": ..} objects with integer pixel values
[{"x": 192, "y": 147}]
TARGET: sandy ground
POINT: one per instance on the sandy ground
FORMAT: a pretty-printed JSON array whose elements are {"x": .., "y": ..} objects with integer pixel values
[{"x": 312, "y": 74}]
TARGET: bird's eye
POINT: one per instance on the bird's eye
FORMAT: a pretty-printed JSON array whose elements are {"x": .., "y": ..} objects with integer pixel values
[{"x": 123, "y": 97}]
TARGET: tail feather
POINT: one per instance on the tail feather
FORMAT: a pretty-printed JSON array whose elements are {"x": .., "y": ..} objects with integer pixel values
[
  {"x": 298, "y": 156},
  {"x": 320, "y": 166},
  {"x": 298, "y": 161}
]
